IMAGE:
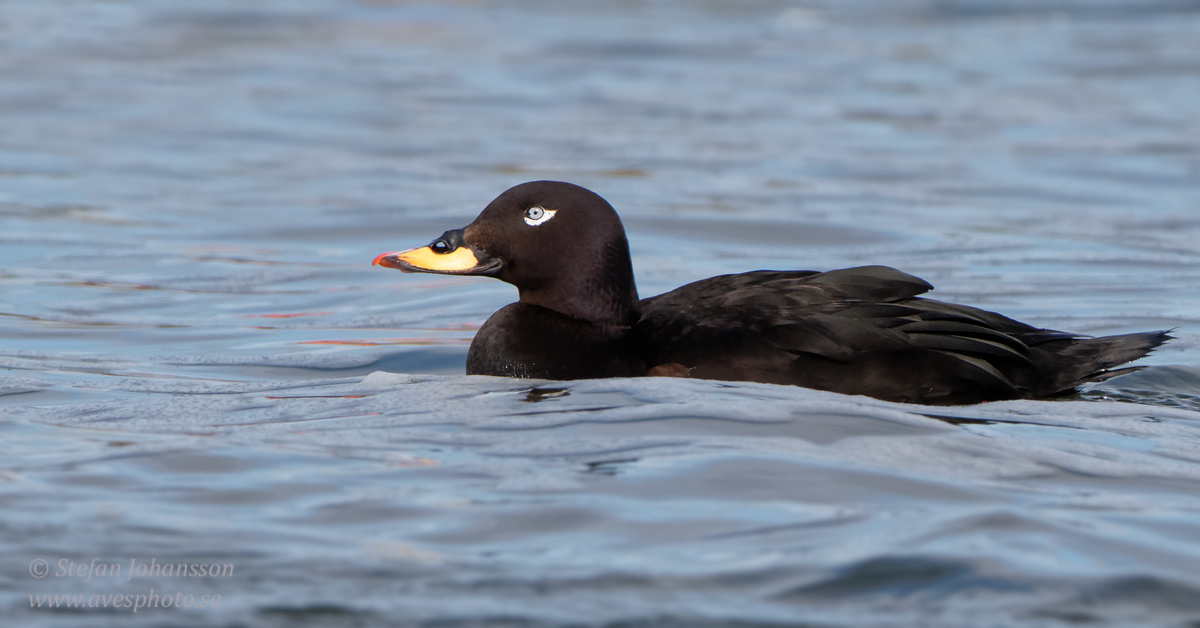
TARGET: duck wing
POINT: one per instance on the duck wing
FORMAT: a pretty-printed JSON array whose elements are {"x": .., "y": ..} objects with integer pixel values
[{"x": 864, "y": 331}]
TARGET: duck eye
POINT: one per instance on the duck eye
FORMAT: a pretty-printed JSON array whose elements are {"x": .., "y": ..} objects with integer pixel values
[{"x": 535, "y": 216}]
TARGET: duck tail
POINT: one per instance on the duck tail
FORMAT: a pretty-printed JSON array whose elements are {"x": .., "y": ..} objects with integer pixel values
[{"x": 1093, "y": 359}]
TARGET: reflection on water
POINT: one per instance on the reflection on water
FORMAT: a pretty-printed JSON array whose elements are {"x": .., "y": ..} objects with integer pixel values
[{"x": 196, "y": 351}]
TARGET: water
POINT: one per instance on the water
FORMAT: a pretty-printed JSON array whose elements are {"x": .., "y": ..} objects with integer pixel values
[{"x": 199, "y": 366}]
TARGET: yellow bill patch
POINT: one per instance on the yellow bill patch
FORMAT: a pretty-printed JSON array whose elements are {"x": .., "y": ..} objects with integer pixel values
[{"x": 460, "y": 259}]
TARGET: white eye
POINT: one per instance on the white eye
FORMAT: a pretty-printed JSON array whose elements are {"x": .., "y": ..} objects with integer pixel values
[{"x": 535, "y": 216}]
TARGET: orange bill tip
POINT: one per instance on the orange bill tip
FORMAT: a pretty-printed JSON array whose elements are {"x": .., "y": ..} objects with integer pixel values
[{"x": 383, "y": 255}]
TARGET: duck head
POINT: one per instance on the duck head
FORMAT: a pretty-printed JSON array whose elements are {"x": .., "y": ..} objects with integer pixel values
[{"x": 561, "y": 245}]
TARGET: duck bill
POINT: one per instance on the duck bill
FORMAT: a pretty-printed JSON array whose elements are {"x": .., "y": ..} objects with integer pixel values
[{"x": 447, "y": 259}]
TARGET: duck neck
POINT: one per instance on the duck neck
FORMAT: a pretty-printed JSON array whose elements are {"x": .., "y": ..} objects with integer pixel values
[
  {"x": 601, "y": 306},
  {"x": 604, "y": 295}
]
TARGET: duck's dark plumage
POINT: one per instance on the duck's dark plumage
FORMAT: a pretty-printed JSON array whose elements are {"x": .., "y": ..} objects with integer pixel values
[
  {"x": 857, "y": 331},
  {"x": 865, "y": 331}
]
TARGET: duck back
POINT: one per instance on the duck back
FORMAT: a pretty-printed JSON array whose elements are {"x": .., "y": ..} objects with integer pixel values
[{"x": 866, "y": 331}]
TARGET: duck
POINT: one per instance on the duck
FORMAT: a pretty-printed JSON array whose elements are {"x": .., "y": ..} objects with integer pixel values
[{"x": 856, "y": 331}]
